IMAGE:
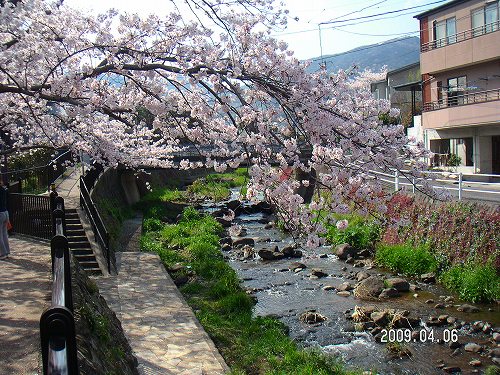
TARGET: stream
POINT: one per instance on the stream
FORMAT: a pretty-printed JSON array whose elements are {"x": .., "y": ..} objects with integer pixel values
[{"x": 286, "y": 293}]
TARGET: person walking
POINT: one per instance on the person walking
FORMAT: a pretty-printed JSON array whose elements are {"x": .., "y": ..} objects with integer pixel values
[{"x": 4, "y": 219}]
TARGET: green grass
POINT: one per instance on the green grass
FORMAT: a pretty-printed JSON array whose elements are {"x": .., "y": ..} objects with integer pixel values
[
  {"x": 360, "y": 233},
  {"x": 250, "y": 345},
  {"x": 473, "y": 282},
  {"x": 406, "y": 258},
  {"x": 217, "y": 186}
]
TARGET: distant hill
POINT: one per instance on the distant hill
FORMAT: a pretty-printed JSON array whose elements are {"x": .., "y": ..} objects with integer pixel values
[{"x": 394, "y": 53}]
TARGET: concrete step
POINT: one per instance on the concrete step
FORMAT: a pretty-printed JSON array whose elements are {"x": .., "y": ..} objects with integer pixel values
[
  {"x": 72, "y": 239},
  {"x": 87, "y": 259},
  {"x": 75, "y": 233},
  {"x": 72, "y": 221},
  {"x": 82, "y": 252},
  {"x": 79, "y": 245}
]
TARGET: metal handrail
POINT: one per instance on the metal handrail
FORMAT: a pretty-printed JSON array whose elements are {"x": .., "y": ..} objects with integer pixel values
[
  {"x": 461, "y": 36},
  {"x": 463, "y": 99},
  {"x": 96, "y": 221},
  {"x": 57, "y": 323}
]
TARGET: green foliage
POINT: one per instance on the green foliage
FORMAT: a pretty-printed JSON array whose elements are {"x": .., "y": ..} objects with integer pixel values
[
  {"x": 249, "y": 345},
  {"x": 406, "y": 258},
  {"x": 454, "y": 160},
  {"x": 473, "y": 282},
  {"x": 492, "y": 370},
  {"x": 98, "y": 323},
  {"x": 152, "y": 225},
  {"x": 114, "y": 213},
  {"x": 29, "y": 159},
  {"x": 360, "y": 233}
]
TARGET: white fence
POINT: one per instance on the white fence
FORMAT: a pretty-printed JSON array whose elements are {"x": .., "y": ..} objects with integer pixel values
[{"x": 450, "y": 181}]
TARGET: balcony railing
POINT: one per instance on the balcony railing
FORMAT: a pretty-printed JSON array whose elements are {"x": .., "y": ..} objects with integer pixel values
[
  {"x": 461, "y": 36},
  {"x": 464, "y": 99}
]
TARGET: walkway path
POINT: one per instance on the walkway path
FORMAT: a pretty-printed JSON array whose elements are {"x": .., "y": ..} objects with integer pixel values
[
  {"x": 68, "y": 187},
  {"x": 161, "y": 328},
  {"x": 24, "y": 294}
]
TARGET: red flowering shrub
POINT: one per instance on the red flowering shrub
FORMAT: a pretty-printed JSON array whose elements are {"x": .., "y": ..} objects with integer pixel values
[{"x": 459, "y": 231}]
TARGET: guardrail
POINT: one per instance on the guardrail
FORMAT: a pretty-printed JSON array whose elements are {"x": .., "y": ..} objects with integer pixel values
[
  {"x": 443, "y": 181},
  {"x": 87, "y": 183},
  {"x": 57, "y": 324},
  {"x": 461, "y": 36},
  {"x": 463, "y": 99}
]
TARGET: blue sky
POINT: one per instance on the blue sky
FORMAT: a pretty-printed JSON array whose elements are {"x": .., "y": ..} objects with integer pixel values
[{"x": 302, "y": 34}]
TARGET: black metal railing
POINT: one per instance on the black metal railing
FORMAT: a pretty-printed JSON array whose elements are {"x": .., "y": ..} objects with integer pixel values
[
  {"x": 87, "y": 183},
  {"x": 461, "y": 36},
  {"x": 463, "y": 99},
  {"x": 30, "y": 215},
  {"x": 39, "y": 179},
  {"x": 57, "y": 323}
]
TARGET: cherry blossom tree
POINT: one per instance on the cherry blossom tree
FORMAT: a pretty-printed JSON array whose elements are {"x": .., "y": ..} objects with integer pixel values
[{"x": 140, "y": 91}]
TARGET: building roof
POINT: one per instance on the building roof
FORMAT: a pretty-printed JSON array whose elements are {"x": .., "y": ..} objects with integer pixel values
[
  {"x": 439, "y": 8},
  {"x": 403, "y": 68},
  {"x": 415, "y": 85}
]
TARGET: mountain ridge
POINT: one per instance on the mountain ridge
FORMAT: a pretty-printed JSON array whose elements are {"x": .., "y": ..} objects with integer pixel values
[{"x": 393, "y": 53}]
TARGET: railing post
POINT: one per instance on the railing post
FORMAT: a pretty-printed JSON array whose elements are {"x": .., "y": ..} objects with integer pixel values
[
  {"x": 413, "y": 185},
  {"x": 460, "y": 186},
  {"x": 53, "y": 194},
  {"x": 396, "y": 180}
]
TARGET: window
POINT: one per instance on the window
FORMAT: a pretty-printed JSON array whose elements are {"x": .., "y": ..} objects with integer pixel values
[
  {"x": 445, "y": 32},
  {"x": 440, "y": 92},
  {"x": 485, "y": 19},
  {"x": 456, "y": 90}
]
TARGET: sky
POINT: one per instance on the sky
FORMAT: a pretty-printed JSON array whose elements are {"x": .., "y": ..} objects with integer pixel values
[{"x": 309, "y": 32}]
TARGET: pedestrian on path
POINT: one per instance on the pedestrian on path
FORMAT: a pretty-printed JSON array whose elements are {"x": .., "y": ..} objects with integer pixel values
[{"x": 4, "y": 219}]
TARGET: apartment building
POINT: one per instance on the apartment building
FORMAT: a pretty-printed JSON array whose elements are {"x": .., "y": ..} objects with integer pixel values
[
  {"x": 460, "y": 66},
  {"x": 402, "y": 88}
]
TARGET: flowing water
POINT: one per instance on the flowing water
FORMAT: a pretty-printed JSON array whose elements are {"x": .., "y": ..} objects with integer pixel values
[{"x": 287, "y": 294}]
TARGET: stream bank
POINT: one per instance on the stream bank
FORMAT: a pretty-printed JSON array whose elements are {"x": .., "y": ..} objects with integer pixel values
[{"x": 315, "y": 300}]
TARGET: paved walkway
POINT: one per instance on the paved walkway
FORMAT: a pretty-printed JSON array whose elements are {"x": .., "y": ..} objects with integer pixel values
[
  {"x": 68, "y": 187},
  {"x": 24, "y": 294},
  {"x": 161, "y": 328}
]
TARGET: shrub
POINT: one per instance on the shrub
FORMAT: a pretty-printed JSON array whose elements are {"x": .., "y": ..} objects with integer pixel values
[
  {"x": 152, "y": 225},
  {"x": 406, "y": 258},
  {"x": 473, "y": 282},
  {"x": 360, "y": 233}
]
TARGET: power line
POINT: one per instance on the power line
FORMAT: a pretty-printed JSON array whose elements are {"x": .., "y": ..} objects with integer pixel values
[
  {"x": 365, "y": 34},
  {"x": 358, "y": 11},
  {"x": 382, "y": 14}
]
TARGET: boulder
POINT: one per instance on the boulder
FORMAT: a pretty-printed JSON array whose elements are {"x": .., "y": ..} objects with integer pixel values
[
  {"x": 401, "y": 285},
  {"x": 429, "y": 278},
  {"x": 267, "y": 254},
  {"x": 380, "y": 318},
  {"x": 226, "y": 247},
  {"x": 468, "y": 308},
  {"x": 318, "y": 272},
  {"x": 296, "y": 265},
  {"x": 225, "y": 223},
  {"x": 344, "y": 293},
  {"x": 297, "y": 254},
  {"x": 473, "y": 347},
  {"x": 345, "y": 286},
  {"x": 496, "y": 336},
  {"x": 234, "y": 205},
  {"x": 287, "y": 251},
  {"x": 226, "y": 240},
  {"x": 369, "y": 288},
  {"x": 312, "y": 317},
  {"x": 344, "y": 251},
  {"x": 389, "y": 293},
  {"x": 360, "y": 276},
  {"x": 328, "y": 287},
  {"x": 244, "y": 241}
]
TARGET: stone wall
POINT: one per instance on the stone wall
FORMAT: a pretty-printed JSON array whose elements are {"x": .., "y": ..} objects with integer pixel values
[{"x": 102, "y": 346}]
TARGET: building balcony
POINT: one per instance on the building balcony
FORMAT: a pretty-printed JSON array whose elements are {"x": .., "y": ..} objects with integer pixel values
[
  {"x": 463, "y": 49},
  {"x": 460, "y": 37},
  {"x": 463, "y": 99},
  {"x": 475, "y": 108}
]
